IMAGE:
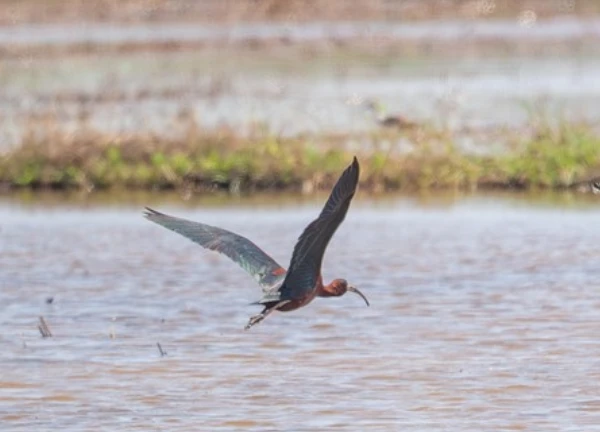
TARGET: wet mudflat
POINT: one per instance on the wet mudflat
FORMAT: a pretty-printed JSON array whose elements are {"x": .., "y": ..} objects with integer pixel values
[{"x": 484, "y": 316}]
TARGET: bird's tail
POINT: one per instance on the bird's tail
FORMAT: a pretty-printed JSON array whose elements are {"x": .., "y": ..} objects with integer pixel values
[{"x": 267, "y": 301}]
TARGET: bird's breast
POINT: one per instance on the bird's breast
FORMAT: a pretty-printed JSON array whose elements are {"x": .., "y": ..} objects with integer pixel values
[
  {"x": 299, "y": 302},
  {"x": 306, "y": 298}
]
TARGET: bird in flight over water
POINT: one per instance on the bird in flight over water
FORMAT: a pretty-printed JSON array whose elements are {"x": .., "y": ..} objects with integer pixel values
[{"x": 283, "y": 290}]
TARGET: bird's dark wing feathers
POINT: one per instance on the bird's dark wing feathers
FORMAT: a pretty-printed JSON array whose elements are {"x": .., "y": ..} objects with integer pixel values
[
  {"x": 307, "y": 258},
  {"x": 246, "y": 254}
]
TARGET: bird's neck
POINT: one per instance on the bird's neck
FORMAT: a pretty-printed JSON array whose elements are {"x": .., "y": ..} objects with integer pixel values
[{"x": 327, "y": 290}]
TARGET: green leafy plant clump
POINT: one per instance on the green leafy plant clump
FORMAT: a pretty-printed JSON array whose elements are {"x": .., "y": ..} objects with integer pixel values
[{"x": 220, "y": 159}]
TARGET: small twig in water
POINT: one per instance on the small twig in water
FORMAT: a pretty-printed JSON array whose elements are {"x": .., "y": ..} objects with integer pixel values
[
  {"x": 162, "y": 352},
  {"x": 43, "y": 328}
]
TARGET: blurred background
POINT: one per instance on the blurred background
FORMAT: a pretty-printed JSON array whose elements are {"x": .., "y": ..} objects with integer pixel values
[
  {"x": 191, "y": 94},
  {"x": 474, "y": 233}
]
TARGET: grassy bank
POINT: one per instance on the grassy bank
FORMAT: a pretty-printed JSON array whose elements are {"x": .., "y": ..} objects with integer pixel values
[{"x": 553, "y": 157}]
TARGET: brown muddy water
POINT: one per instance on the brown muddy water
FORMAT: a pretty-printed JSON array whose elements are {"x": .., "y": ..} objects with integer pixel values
[{"x": 484, "y": 317}]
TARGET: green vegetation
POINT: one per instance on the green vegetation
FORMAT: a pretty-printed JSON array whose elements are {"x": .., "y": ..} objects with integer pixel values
[{"x": 198, "y": 160}]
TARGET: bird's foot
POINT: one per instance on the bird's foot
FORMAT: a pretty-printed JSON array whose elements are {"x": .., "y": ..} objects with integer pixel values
[
  {"x": 255, "y": 320},
  {"x": 265, "y": 313}
]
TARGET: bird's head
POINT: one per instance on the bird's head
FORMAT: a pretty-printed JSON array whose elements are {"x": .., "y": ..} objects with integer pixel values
[
  {"x": 595, "y": 185},
  {"x": 339, "y": 287}
]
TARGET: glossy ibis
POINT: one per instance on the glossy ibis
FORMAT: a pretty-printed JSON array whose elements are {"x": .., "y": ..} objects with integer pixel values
[{"x": 283, "y": 290}]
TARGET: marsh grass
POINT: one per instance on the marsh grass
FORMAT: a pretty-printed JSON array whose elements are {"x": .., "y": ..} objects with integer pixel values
[
  {"x": 557, "y": 156},
  {"x": 554, "y": 156}
]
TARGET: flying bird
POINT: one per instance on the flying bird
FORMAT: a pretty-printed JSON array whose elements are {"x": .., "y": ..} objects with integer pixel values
[{"x": 283, "y": 290}]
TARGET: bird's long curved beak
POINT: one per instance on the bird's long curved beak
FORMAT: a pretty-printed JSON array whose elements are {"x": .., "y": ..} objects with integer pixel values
[{"x": 355, "y": 290}]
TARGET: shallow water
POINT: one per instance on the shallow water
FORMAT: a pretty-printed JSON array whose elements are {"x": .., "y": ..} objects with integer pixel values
[
  {"x": 315, "y": 98},
  {"x": 484, "y": 316},
  {"x": 86, "y": 33}
]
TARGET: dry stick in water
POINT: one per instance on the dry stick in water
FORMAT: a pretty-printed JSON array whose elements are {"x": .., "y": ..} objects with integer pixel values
[
  {"x": 162, "y": 353},
  {"x": 43, "y": 328}
]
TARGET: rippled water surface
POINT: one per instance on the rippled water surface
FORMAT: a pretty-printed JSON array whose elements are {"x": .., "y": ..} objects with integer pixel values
[{"x": 484, "y": 317}]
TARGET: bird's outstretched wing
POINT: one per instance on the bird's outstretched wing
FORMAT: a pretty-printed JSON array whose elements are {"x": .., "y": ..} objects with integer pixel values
[
  {"x": 307, "y": 258},
  {"x": 246, "y": 254}
]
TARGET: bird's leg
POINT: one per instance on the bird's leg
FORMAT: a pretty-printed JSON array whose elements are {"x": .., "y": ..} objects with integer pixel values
[
  {"x": 258, "y": 318},
  {"x": 265, "y": 313}
]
